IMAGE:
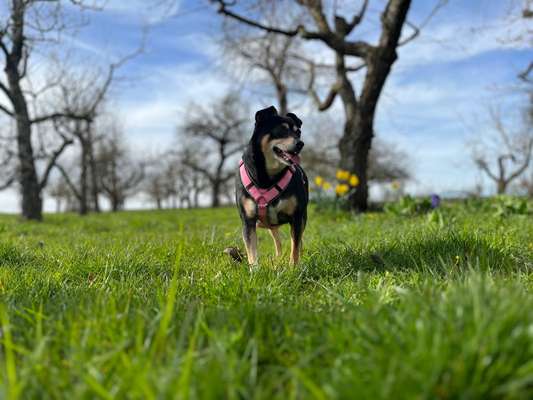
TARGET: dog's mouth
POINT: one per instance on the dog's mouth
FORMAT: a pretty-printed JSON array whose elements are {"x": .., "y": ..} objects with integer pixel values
[{"x": 287, "y": 157}]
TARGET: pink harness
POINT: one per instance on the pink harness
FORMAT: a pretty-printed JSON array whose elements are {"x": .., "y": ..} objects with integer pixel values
[{"x": 263, "y": 197}]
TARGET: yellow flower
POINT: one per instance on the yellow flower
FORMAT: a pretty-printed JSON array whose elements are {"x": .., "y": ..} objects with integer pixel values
[
  {"x": 342, "y": 175},
  {"x": 319, "y": 181},
  {"x": 395, "y": 185},
  {"x": 354, "y": 180},
  {"x": 326, "y": 186},
  {"x": 342, "y": 189}
]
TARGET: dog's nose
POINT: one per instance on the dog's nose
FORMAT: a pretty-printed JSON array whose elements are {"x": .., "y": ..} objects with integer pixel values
[{"x": 299, "y": 145}]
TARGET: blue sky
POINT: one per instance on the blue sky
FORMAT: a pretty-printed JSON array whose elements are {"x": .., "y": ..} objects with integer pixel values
[{"x": 465, "y": 59}]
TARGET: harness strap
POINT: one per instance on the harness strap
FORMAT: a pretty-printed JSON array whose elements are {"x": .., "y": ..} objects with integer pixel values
[{"x": 263, "y": 197}]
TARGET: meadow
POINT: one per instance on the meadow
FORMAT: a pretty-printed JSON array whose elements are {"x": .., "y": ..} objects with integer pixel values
[{"x": 145, "y": 305}]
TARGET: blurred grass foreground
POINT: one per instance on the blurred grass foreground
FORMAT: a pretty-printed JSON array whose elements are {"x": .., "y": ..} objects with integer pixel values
[{"x": 384, "y": 305}]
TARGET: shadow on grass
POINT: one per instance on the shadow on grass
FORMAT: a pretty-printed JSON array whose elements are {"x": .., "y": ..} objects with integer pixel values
[
  {"x": 438, "y": 255},
  {"x": 12, "y": 256}
]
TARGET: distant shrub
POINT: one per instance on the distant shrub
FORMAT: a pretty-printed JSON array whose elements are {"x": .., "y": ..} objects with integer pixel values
[
  {"x": 408, "y": 205},
  {"x": 508, "y": 205}
]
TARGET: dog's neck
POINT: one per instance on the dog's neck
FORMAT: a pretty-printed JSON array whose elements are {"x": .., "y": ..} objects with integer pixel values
[{"x": 255, "y": 163}]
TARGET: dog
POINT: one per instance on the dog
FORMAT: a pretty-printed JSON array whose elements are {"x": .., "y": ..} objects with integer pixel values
[{"x": 271, "y": 187}]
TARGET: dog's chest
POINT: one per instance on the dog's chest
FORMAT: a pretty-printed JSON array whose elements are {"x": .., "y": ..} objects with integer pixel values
[{"x": 284, "y": 207}]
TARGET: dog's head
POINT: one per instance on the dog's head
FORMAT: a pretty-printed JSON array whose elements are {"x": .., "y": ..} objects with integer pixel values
[{"x": 278, "y": 137}]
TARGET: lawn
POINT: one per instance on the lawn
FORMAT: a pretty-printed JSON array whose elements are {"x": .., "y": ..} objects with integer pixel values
[{"x": 145, "y": 305}]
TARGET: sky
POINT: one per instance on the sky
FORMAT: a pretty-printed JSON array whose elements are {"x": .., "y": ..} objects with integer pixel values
[{"x": 465, "y": 60}]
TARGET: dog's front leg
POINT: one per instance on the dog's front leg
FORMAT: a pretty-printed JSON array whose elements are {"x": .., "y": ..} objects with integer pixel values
[
  {"x": 274, "y": 232},
  {"x": 249, "y": 235},
  {"x": 297, "y": 230}
]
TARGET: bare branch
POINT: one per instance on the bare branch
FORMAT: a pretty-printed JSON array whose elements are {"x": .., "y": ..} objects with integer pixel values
[
  {"x": 6, "y": 91},
  {"x": 197, "y": 168},
  {"x": 7, "y": 183},
  {"x": 68, "y": 181},
  {"x": 482, "y": 164},
  {"x": 58, "y": 115},
  {"x": 356, "y": 20},
  {"x": 5, "y": 110},
  {"x": 53, "y": 160},
  {"x": 330, "y": 98},
  {"x": 525, "y": 163},
  {"x": 525, "y": 74},
  {"x": 222, "y": 9},
  {"x": 412, "y": 36}
]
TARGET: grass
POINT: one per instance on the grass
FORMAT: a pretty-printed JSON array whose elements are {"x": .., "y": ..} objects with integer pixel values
[{"x": 145, "y": 305}]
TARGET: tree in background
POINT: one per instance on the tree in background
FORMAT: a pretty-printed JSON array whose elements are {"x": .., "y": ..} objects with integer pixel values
[
  {"x": 376, "y": 59},
  {"x": 505, "y": 154},
  {"x": 27, "y": 25},
  {"x": 60, "y": 191},
  {"x": 271, "y": 56},
  {"x": 119, "y": 174},
  {"x": 210, "y": 137},
  {"x": 171, "y": 183},
  {"x": 84, "y": 92}
]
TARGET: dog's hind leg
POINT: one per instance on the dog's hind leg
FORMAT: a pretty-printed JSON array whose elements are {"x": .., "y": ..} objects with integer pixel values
[
  {"x": 274, "y": 232},
  {"x": 249, "y": 236},
  {"x": 297, "y": 230}
]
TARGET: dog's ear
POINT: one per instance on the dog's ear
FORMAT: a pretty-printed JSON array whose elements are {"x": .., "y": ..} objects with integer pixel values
[
  {"x": 265, "y": 114},
  {"x": 297, "y": 121}
]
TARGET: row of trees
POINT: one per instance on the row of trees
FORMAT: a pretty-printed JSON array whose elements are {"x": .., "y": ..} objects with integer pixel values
[
  {"x": 64, "y": 116},
  {"x": 64, "y": 113}
]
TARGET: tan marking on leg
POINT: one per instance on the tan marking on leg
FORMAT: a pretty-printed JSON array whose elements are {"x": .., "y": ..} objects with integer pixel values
[
  {"x": 274, "y": 232},
  {"x": 295, "y": 248},
  {"x": 249, "y": 206},
  {"x": 251, "y": 246}
]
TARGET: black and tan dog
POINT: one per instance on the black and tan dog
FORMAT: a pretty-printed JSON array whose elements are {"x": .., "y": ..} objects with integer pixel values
[{"x": 271, "y": 187}]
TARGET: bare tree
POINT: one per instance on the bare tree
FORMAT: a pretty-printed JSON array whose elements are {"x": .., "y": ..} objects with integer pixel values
[
  {"x": 505, "y": 154},
  {"x": 154, "y": 186},
  {"x": 26, "y": 24},
  {"x": 59, "y": 190},
  {"x": 211, "y": 136},
  {"x": 163, "y": 181},
  {"x": 119, "y": 174},
  {"x": 271, "y": 56},
  {"x": 84, "y": 93},
  {"x": 375, "y": 59}
]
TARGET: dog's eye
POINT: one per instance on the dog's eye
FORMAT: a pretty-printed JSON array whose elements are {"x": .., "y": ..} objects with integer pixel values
[{"x": 280, "y": 132}]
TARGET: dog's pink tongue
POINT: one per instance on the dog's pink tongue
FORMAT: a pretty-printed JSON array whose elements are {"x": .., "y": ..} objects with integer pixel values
[{"x": 295, "y": 158}]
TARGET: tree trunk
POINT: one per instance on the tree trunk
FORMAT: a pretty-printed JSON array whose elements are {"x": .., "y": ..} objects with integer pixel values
[
  {"x": 215, "y": 194},
  {"x": 354, "y": 148},
  {"x": 281, "y": 92},
  {"x": 84, "y": 206},
  {"x": 501, "y": 185},
  {"x": 93, "y": 169},
  {"x": 32, "y": 203}
]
